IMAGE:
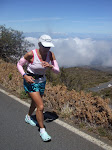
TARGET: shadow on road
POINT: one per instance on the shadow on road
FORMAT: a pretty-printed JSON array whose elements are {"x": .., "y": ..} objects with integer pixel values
[{"x": 48, "y": 117}]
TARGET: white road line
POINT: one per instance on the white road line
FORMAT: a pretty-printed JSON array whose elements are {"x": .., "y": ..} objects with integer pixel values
[{"x": 67, "y": 126}]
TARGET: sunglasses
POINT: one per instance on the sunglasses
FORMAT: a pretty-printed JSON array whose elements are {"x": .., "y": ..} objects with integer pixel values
[{"x": 45, "y": 47}]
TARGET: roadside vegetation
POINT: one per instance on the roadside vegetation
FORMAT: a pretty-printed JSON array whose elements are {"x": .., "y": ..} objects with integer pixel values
[
  {"x": 66, "y": 94},
  {"x": 12, "y": 44},
  {"x": 79, "y": 78}
]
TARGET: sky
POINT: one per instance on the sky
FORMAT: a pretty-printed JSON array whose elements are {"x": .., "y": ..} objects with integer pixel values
[{"x": 65, "y": 16}]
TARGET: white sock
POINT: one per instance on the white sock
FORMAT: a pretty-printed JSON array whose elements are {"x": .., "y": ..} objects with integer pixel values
[
  {"x": 42, "y": 130},
  {"x": 28, "y": 116}
]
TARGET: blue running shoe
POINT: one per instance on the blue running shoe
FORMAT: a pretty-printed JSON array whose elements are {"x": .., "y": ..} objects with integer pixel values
[{"x": 30, "y": 120}]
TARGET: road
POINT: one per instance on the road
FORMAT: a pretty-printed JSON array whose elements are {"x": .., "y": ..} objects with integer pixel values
[
  {"x": 101, "y": 86},
  {"x": 15, "y": 134}
]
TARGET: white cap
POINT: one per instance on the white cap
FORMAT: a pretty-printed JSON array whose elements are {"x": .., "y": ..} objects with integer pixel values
[{"x": 46, "y": 41}]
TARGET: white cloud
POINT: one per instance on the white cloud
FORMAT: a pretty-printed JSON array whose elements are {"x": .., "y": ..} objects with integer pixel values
[
  {"x": 75, "y": 52},
  {"x": 32, "y": 40}
]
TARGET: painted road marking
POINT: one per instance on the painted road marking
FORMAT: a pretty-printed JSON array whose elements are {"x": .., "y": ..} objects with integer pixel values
[{"x": 67, "y": 126}]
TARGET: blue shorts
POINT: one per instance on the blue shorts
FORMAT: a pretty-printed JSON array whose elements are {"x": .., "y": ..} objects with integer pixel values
[{"x": 34, "y": 87}]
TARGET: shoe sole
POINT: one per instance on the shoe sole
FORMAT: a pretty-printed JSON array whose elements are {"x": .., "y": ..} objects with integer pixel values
[{"x": 29, "y": 123}]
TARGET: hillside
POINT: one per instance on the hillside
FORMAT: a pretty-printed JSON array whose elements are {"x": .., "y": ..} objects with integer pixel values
[
  {"x": 79, "y": 78},
  {"x": 79, "y": 107}
]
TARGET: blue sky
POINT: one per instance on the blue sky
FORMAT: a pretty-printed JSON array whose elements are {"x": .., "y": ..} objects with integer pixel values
[{"x": 80, "y": 16}]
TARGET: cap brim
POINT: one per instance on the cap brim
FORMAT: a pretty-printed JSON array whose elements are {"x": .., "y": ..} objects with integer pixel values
[{"x": 47, "y": 44}]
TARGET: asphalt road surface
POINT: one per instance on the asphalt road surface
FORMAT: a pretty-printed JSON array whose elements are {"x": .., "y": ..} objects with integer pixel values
[
  {"x": 15, "y": 134},
  {"x": 101, "y": 86}
]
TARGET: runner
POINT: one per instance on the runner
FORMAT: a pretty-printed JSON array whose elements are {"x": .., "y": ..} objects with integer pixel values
[{"x": 38, "y": 60}]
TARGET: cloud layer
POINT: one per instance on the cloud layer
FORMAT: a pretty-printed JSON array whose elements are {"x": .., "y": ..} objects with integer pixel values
[{"x": 79, "y": 52}]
